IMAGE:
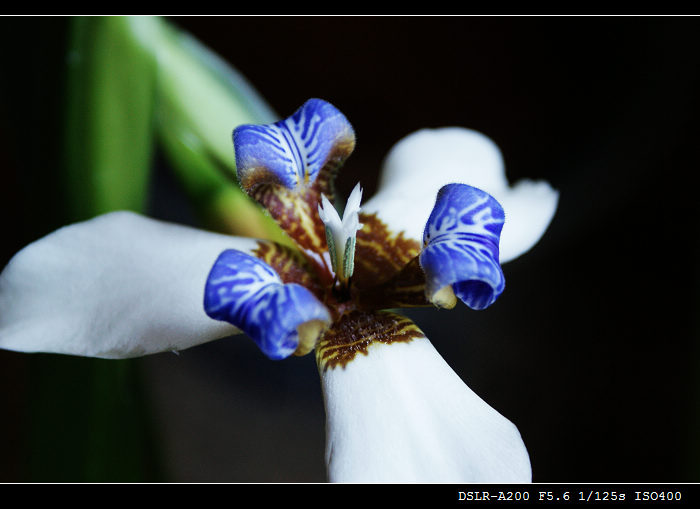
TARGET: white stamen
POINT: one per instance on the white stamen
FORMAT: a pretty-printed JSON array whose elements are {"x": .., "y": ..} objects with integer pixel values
[{"x": 339, "y": 231}]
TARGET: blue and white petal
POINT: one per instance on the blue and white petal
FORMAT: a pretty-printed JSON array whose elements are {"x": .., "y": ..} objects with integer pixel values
[
  {"x": 293, "y": 151},
  {"x": 119, "y": 285},
  {"x": 460, "y": 255},
  {"x": 422, "y": 162},
  {"x": 281, "y": 318}
]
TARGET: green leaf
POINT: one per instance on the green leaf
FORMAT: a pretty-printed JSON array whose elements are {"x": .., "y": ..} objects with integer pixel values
[
  {"x": 87, "y": 420},
  {"x": 109, "y": 115}
]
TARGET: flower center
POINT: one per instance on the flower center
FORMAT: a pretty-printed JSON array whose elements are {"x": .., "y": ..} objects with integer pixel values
[{"x": 341, "y": 234}]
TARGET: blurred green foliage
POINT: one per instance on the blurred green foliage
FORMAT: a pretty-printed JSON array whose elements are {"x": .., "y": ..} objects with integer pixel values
[{"x": 102, "y": 92}]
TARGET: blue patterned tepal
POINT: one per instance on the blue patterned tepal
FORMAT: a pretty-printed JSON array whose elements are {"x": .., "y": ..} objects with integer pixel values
[
  {"x": 291, "y": 152},
  {"x": 461, "y": 246},
  {"x": 247, "y": 293}
]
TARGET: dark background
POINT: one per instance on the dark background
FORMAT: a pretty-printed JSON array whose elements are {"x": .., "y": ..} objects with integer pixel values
[{"x": 593, "y": 349}]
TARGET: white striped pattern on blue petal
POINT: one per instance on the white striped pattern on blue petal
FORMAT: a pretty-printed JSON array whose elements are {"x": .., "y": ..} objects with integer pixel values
[
  {"x": 293, "y": 150},
  {"x": 461, "y": 245},
  {"x": 247, "y": 293}
]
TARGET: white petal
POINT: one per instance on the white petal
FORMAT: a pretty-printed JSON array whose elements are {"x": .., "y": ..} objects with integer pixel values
[
  {"x": 401, "y": 414},
  {"x": 529, "y": 207},
  {"x": 119, "y": 285},
  {"x": 420, "y": 164}
]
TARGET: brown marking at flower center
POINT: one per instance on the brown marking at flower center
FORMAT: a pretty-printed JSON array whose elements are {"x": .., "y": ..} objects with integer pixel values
[
  {"x": 356, "y": 331},
  {"x": 379, "y": 253},
  {"x": 405, "y": 289},
  {"x": 295, "y": 212}
]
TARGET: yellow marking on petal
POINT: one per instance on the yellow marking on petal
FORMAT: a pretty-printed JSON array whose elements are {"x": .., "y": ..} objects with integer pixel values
[
  {"x": 444, "y": 298},
  {"x": 309, "y": 334},
  {"x": 356, "y": 331}
]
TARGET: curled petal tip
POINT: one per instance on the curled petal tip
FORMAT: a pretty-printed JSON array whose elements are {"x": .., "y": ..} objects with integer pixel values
[
  {"x": 293, "y": 151},
  {"x": 282, "y": 319},
  {"x": 461, "y": 248}
]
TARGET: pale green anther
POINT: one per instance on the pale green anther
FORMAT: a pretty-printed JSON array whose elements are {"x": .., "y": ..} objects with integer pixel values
[
  {"x": 349, "y": 257},
  {"x": 331, "y": 249}
]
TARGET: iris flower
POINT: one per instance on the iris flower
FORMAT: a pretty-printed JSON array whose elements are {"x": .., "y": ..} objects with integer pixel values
[{"x": 443, "y": 220}]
